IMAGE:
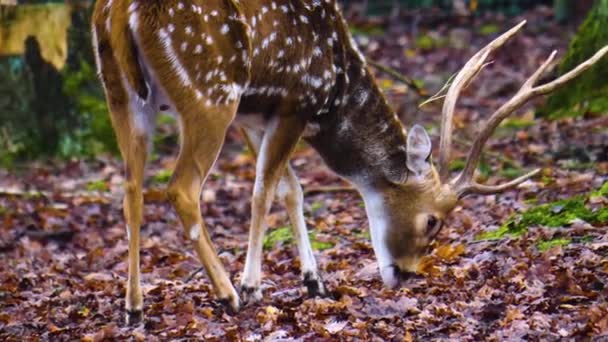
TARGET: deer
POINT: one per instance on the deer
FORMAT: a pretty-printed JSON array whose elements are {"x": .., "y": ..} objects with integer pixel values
[{"x": 283, "y": 71}]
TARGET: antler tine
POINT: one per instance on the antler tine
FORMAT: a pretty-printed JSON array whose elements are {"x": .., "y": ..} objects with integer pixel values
[
  {"x": 461, "y": 81},
  {"x": 483, "y": 189},
  {"x": 463, "y": 183}
]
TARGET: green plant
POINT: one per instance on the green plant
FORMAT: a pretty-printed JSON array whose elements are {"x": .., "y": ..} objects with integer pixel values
[
  {"x": 284, "y": 235},
  {"x": 555, "y": 214}
]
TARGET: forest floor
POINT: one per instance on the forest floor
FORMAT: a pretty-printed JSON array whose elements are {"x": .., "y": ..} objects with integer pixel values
[{"x": 63, "y": 242}]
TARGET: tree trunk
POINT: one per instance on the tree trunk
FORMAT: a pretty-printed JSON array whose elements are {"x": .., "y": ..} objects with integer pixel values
[{"x": 589, "y": 93}]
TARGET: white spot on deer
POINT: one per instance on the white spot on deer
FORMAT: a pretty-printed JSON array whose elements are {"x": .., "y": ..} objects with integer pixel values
[
  {"x": 317, "y": 52},
  {"x": 133, "y": 7},
  {"x": 234, "y": 91},
  {"x": 265, "y": 43},
  {"x": 134, "y": 21},
  {"x": 180, "y": 6},
  {"x": 171, "y": 28},
  {"x": 315, "y": 82},
  {"x": 225, "y": 29},
  {"x": 195, "y": 232},
  {"x": 361, "y": 97},
  {"x": 198, "y": 49}
]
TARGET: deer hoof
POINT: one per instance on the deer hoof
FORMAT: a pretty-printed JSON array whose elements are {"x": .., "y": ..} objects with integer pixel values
[
  {"x": 315, "y": 285},
  {"x": 251, "y": 294},
  {"x": 231, "y": 304},
  {"x": 134, "y": 317}
]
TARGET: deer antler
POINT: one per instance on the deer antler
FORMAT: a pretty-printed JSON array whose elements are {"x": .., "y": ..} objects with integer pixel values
[
  {"x": 461, "y": 81},
  {"x": 463, "y": 183}
]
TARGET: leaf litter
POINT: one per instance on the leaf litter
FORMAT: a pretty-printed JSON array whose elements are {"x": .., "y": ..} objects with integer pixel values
[{"x": 63, "y": 244}]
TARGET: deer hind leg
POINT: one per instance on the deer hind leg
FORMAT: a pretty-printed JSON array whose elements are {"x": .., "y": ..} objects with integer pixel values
[
  {"x": 132, "y": 121},
  {"x": 289, "y": 191},
  {"x": 203, "y": 132},
  {"x": 280, "y": 138},
  {"x": 133, "y": 144}
]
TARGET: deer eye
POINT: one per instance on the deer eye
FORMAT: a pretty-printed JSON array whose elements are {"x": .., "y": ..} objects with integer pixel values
[{"x": 433, "y": 226}]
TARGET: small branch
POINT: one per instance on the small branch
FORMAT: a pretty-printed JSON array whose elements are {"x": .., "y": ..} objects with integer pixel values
[
  {"x": 399, "y": 76},
  {"x": 194, "y": 274}
]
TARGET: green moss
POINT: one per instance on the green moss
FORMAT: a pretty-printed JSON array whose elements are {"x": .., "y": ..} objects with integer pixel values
[
  {"x": 488, "y": 29},
  {"x": 365, "y": 234},
  {"x": 320, "y": 245},
  {"x": 556, "y": 214},
  {"x": 602, "y": 191},
  {"x": 370, "y": 30},
  {"x": 457, "y": 165},
  {"x": 517, "y": 123},
  {"x": 546, "y": 245},
  {"x": 162, "y": 177},
  {"x": 315, "y": 207},
  {"x": 284, "y": 235},
  {"x": 425, "y": 42},
  {"x": 589, "y": 92},
  {"x": 98, "y": 185},
  {"x": 276, "y": 236},
  {"x": 165, "y": 119},
  {"x": 511, "y": 172}
]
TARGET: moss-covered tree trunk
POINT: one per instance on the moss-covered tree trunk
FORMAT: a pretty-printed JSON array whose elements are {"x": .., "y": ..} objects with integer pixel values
[{"x": 589, "y": 93}]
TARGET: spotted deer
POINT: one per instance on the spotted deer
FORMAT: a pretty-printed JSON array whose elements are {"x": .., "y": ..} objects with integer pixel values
[{"x": 291, "y": 71}]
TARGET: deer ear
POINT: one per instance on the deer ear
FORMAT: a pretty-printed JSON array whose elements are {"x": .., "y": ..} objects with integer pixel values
[{"x": 418, "y": 150}]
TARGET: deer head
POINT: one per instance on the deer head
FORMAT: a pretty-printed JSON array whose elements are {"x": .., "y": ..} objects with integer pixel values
[{"x": 407, "y": 214}]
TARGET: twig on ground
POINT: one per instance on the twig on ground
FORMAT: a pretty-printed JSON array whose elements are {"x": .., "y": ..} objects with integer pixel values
[
  {"x": 194, "y": 274},
  {"x": 400, "y": 77}
]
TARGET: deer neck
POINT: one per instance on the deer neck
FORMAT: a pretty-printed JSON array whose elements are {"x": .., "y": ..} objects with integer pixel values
[{"x": 363, "y": 140}]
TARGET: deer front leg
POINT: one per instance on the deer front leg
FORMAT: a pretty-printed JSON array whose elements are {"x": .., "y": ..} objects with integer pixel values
[
  {"x": 280, "y": 138},
  {"x": 290, "y": 193},
  {"x": 203, "y": 134}
]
